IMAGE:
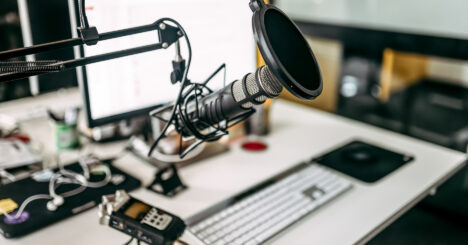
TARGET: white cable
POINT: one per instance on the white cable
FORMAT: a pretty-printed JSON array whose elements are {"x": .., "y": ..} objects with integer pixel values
[
  {"x": 61, "y": 178},
  {"x": 74, "y": 192},
  {"x": 85, "y": 168},
  {"x": 103, "y": 182},
  {"x": 23, "y": 206},
  {"x": 85, "y": 180},
  {"x": 64, "y": 177}
]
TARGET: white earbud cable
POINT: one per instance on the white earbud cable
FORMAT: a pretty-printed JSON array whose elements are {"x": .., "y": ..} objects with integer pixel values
[{"x": 64, "y": 176}]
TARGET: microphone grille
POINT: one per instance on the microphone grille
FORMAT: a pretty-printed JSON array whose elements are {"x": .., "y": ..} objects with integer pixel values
[
  {"x": 252, "y": 88},
  {"x": 266, "y": 84},
  {"x": 270, "y": 84},
  {"x": 239, "y": 94}
]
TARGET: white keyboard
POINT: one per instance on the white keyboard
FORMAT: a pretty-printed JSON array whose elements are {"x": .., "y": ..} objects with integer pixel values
[{"x": 262, "y": 212}]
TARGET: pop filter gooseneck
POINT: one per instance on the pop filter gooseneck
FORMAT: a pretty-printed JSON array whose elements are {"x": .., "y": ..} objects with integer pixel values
[{"x": 286, "y": 51}]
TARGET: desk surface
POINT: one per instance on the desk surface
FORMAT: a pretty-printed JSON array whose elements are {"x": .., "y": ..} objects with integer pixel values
[{"x": 298, "y": 133}]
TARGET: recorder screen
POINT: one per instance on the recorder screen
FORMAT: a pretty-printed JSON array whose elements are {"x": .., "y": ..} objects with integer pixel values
[{"x": 136, "y": 210}]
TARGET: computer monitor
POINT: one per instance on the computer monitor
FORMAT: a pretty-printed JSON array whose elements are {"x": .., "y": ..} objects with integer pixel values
[{"x": 219, "y": 31}]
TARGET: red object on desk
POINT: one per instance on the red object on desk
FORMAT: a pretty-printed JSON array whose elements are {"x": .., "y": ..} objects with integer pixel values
[
  {"x": 254, "y": 146},
  {"x": 21, "y": 137}
]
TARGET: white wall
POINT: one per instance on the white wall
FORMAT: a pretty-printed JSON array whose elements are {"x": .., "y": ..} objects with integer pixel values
[{"x": 436, "y": 17}]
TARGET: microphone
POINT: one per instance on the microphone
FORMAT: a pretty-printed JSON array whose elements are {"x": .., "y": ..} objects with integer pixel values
[
  {"x": 235, "y": 99},
  {"x": 290, "y": 64}
]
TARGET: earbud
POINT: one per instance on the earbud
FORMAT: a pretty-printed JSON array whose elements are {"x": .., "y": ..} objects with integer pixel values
[{"x": 53, "y": 204}]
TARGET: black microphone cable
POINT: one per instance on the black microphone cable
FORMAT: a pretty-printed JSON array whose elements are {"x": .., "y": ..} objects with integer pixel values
[
  {"x": 181, "y": 90},
  {"x": 179, "y": 111},
  {"x": 83, "y": 17}
]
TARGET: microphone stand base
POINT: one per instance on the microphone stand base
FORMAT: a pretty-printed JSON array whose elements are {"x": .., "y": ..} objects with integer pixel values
[{"x": 167, "y": 182}]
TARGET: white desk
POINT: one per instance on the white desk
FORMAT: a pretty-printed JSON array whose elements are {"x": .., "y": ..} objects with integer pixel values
[{"x": 298, "y": 133}]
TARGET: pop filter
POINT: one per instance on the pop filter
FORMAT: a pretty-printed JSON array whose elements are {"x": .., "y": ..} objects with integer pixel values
[{"x": 286, "y": 51}]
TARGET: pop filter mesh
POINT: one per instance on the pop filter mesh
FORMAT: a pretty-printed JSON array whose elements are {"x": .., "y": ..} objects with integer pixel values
[{"x": 292, "y": 50}]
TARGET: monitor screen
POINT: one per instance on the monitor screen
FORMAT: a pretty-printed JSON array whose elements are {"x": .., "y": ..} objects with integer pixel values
[{"x": 219, "y": 32}]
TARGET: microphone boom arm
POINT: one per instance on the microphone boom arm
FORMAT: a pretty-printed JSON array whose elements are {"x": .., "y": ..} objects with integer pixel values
[{"x": 168, "y": 35}]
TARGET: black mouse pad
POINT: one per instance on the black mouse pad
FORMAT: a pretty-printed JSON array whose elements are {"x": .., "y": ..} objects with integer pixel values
[
  {"x": 363, "y": 161},
  {"x": 36, "y": 215}
]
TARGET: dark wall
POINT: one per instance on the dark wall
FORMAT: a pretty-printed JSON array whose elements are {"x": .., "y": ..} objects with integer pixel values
[
  {"x": 49, "y": 22},
  {"x": 10, "y": 37}
]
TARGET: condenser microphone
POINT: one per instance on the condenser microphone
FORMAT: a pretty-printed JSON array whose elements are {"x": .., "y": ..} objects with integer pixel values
[
  {"x": 233, "y": 100},
  {"x": 290, "y": 64}
]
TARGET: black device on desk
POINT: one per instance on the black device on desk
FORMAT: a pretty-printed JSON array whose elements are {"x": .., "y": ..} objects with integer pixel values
[
  {"x": 364, "y": 161},
  {"x": 140, "y": 220},
  {"x": 37, "y": 215}
]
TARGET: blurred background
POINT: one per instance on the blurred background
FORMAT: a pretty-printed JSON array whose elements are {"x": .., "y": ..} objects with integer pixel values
[
  {"x": 401, "y": 65},
  {"x": 23, "y": 23}
]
